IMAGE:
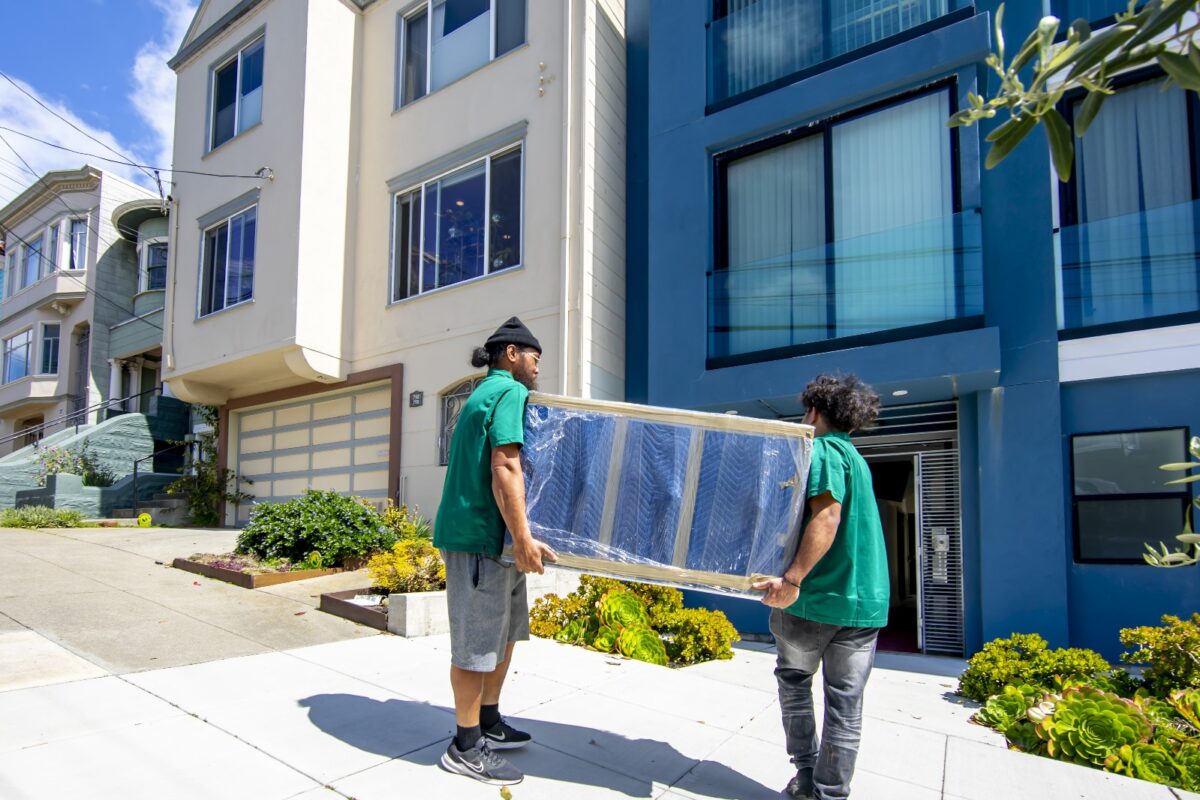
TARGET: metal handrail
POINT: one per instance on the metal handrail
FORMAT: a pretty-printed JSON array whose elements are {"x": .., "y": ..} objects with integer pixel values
[
  {"x": 66, "y": 419},
  {"x": 175, "y": 446}
]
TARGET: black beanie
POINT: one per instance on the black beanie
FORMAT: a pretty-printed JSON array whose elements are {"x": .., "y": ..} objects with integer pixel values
[{"x": 514, "y": 332}]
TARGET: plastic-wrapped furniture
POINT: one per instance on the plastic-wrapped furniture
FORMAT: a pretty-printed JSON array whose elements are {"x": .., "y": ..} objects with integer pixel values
[{"x": 707, "y": 501}]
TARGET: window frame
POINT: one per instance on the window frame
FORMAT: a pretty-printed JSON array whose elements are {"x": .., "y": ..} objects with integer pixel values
[
  {"x": 235, "y": 55},
  {"x": 823, "y": 127},
  {"x": 1066, "y": 209},
  {"x": 420, "y": 186},
  {"x": 7, "y": 351},
  {"x": 144, "y": 262},
  {"x": 70, "y": 237},
  {"x": 224, "y": 220},
  {"x": 446, "y": 426},
  {"x": 40, "y": 239},
  {"x": 42, "y": 348},
  {"x": 426, "y": 6},
  {"x": 1184, "y": 493}
]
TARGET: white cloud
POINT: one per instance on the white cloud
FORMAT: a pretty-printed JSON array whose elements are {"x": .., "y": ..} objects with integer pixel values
[{"x": 152, "y": 97}]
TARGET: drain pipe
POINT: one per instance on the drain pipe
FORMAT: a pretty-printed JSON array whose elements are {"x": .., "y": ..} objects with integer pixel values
[{"x": 568, "y": 186}]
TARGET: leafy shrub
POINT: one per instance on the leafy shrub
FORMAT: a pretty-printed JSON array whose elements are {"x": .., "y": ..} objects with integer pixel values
[
  {"x": 1171, "y": 650},
  {"x": 1023, "y": 658},
  {"x": 1149, "y": 762},
  {"x": 413, "y": 565},
  {"x": 209, "y": 485},
  {"x": 341, "y": 530},
  {"x": 642, "y": 644},
  {"x": 40, "y": 517},
  {"x": 55, "y": 460},
  {"x": 602, "y": 609},
  {"x": 694, "y": 635},
  {"x": 407, "y": 523}
]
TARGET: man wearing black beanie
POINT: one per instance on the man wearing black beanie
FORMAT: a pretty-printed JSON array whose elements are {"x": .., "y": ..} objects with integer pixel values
[{"x": 484, "y": 494}]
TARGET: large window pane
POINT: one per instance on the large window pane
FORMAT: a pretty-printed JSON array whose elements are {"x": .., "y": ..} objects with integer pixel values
[
  {"x": 216, "y": 244},
  {"x": 1126, "y": 463},
  {"x": 79, "y": 231},
  {"x": 156, "y": 267},
  {"x": 461, "y": 40},
  {"x": 1133, "y": 253},
  {"x": 776, "y": 241},
  {"x": 412, "y": 79},
  {"x": 50, "y": 260},
  {"x": 33, "y": 261},
  {"x": 1121, "y": 529},
  {"x": 893, "y": 218},
  {"x": 461, "y": 227},
  {"x": 858, "y": 23},
  {"x": 505, "y": 222},
  {"x": 50, "y": 338},
  {"x": 510, "y": 25},
  {"x": 224, "y": 103},
  {"x": 252, "y": 86},
  {"x": 16, "y": 356}
]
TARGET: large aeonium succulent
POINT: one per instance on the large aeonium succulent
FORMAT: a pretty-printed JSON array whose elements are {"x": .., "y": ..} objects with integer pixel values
[
  {"x": 1003, "y": 710},
  {"x": 1088, "y": 725},
  {"x": 642, "y": 644},
  {"x": 621, "y": 609},
  {"x": 1147, "y": 762}
]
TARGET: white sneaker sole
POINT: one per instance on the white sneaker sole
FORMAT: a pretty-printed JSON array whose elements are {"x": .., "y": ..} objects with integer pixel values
[{"x": 450, "y": 765}]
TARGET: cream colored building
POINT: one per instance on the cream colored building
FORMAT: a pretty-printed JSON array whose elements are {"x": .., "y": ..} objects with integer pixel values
[
  {"x": 80, "y": 303},
  {"x": 416, "y": 173}
]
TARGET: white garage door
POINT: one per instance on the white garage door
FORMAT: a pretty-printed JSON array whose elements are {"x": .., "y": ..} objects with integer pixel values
[{"x": 335, "y": 441}]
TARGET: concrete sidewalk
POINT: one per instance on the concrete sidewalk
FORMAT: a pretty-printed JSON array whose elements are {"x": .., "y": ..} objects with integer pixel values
[{"x": 234, "y": 706}]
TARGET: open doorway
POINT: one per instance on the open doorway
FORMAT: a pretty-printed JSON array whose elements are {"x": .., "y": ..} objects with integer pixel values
[{"x": 894, "y": 478}]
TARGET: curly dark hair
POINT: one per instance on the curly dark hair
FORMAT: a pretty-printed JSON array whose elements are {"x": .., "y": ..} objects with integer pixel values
[{"x": 844, "y": 401}]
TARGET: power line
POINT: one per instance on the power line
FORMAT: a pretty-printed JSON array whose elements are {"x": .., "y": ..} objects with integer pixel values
[
  {"x": 35, "y": 99},
  {"x": 259, "y": 175},
  {"x": 54, "y": 262}
]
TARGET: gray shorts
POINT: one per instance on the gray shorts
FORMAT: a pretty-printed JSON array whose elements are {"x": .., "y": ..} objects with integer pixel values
[{"x": 488, "y": 609}]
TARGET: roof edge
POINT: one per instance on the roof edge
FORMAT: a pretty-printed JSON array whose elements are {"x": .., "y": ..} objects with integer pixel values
[{"x": 45, "y": 185}]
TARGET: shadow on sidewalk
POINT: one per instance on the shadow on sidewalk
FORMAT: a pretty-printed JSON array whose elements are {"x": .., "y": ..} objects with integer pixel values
[{"x": 357, "y": 720}]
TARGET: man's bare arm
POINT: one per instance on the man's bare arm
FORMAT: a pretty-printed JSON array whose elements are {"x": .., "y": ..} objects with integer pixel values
[
  {"x": 508, "y": 487},
  {"x": 818, "y": 538}
]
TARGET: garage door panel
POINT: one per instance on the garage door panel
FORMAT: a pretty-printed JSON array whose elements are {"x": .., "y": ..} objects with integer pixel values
[{"x": 339, "y": 443}]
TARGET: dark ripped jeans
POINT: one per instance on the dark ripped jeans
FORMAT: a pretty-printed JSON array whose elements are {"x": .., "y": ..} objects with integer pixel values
[{"x": 823, "y": 767}]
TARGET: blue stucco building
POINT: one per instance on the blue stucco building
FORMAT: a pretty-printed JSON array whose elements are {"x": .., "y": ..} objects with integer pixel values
[{"x": 797, "y": 205}]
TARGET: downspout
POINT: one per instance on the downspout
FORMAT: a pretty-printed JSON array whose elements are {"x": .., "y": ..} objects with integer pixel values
[
  {"x": 173, "y": 254},
  {"x": 568, "y": 128}
]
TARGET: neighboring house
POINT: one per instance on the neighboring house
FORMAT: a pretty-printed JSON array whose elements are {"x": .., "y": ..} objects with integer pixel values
[
  {"x": 428, "y": 169},
  {"x": 797, "y": 205},
  {"x": 73, "y": 289}
]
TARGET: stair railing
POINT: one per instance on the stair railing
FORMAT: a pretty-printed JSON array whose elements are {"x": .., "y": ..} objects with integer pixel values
[
  {"x": 176, "y": 446},
  {"x": 75, "y": 418}
]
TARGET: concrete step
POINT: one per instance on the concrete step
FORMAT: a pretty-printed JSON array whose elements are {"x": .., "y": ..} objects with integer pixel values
[{"x": 110, "y": 522}]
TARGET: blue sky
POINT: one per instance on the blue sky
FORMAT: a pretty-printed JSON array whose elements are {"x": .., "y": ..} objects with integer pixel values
[{"x": 99, "y": 63}]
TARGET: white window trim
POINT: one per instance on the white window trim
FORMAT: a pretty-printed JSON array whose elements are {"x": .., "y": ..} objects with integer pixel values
[
  {"x": 411, "y": 11},
  {"x": 203, "y": 240},
  {"x": 236, "y": 55},
  {"x": 42, "y": 345},
  {"x": 487, "y": 213},
  {"x": 67, "y": 223},
  {"x": 144, "y": 260},
  {"x": 4, "y": 351}
]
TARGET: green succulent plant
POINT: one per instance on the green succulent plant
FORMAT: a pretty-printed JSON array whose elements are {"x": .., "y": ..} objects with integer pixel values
[
  {"x": 620, "y": 609},
  {"x": 1088, "y": 725},
  {"x": 1188, "y": 758},
  {"x": 1003, "y": 710},
  {"x": 642, "y": 644},
  {"x": 1147, "y": 762},
  {"x": 1022, "y": 736},
  {"x": 605, "y": 639},
  {"x": 1186, "y": 703}
]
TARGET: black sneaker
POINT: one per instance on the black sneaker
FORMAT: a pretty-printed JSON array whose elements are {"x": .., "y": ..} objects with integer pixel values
[
  {"x": 481, "y": 764},
  {"x": 801, "y": 785},
  {"x": 503, "y": 736}
]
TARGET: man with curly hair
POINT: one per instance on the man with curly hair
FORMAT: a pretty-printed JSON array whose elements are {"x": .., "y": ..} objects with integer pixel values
[{"x": 830, "y": 603}]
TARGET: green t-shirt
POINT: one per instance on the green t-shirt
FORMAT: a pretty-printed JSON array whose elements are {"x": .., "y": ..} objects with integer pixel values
[
  {"x": 849, "y": 586},
  {"x": 468, "y": 519}
]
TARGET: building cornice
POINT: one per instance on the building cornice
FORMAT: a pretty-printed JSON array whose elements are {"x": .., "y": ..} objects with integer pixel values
[{"x": 84, "y": 179}]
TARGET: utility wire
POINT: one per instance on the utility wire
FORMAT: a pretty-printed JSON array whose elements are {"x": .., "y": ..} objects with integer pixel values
[
  {"x": 35, "y": 99},
  {"x": 122, "y": 306},
  {"x": 259, "y": 175}
]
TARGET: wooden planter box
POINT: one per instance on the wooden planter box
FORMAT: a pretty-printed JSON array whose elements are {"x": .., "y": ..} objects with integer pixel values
[
  {"x": 338, "y": 604},
  {"x": 247, "y": 581},
  {"x": 411, "y": 614}
]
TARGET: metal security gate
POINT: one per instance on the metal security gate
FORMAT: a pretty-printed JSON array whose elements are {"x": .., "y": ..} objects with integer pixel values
[
  {"x": 928, "y": 433},
  {"x": 940, "y": 528}
]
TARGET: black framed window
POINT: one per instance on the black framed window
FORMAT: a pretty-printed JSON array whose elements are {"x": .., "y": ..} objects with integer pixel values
[
  {"x": 758, "y": 45},
  {"x": 1129, "y": 217},
  {"x": 1120, "y": 498},
  {"x": 237, "y": 90},
  {"x": 843, "y": 232}
]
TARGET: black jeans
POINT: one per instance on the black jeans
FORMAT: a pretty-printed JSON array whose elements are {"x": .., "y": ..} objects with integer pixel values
[{"x": 824, "y": 767}]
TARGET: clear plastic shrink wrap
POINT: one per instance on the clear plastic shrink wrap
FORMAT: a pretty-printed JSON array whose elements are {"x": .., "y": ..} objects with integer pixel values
[{"x": 704, "y": 501}]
